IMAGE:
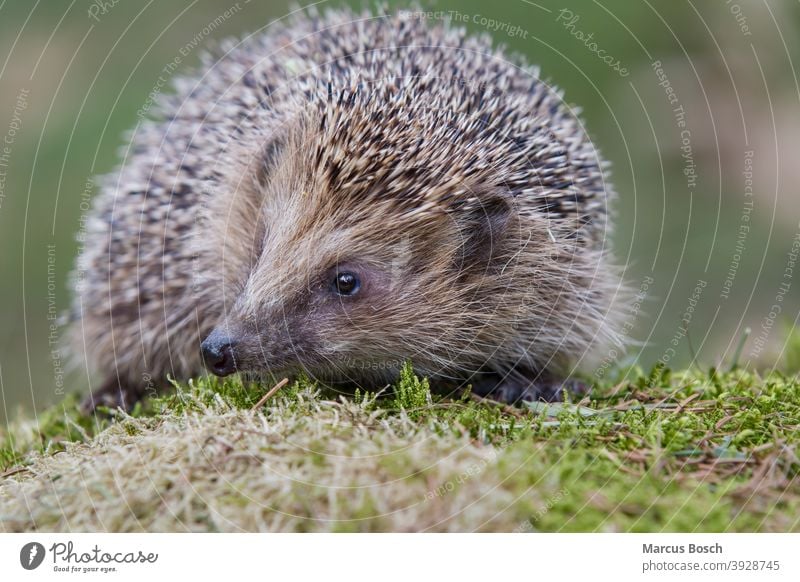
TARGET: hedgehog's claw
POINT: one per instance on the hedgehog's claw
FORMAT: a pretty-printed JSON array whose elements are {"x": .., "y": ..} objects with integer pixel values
[
  {"x": 513, "y": 390},
  {"x": 112, "y": 394}
]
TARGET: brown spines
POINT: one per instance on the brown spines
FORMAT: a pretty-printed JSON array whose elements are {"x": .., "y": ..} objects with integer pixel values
[{"x": 389, "y": 133}]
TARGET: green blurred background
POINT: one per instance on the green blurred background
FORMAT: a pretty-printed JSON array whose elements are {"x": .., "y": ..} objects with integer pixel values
[{"x": 75, "y": 73}]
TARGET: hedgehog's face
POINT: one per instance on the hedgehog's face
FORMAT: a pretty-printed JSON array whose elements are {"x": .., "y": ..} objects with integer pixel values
[
  {"x": 341, "y": 305},
  {"x": 357, "y": 267},
  {"x": 352, "y": 303}
]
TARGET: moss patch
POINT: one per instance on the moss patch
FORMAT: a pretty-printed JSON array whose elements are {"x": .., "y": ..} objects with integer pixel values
[{"x": 656, "y": 451}]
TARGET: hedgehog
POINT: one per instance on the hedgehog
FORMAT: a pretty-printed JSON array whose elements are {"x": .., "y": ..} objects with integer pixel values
[{"x": 341, "y": 194}]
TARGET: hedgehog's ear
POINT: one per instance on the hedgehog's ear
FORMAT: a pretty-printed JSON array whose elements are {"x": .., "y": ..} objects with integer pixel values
[
  {"x": 265, "y": 161},
  {"x": 483, "y": 229}
]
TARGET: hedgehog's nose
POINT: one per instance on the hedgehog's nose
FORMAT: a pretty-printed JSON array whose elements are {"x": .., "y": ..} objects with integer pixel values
[{"x": 217, "y": 351}]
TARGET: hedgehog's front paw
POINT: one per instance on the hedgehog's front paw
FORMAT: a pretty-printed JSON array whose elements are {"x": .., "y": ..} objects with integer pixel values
[
  {"x": 112, "y": 394},
  {"x": 513, "y": 390}
]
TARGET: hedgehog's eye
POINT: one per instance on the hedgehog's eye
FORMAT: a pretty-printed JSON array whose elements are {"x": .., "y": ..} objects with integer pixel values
[{"x": 346, "y": 283}]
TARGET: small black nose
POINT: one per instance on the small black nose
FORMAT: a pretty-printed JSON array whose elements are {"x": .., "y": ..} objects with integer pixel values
[{"x": 217, "y": 351}]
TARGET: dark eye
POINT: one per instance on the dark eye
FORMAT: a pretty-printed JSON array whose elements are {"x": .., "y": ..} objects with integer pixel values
[{"x": 346, "y": 283}]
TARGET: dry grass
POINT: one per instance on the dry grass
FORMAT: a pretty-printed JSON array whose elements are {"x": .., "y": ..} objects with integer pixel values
[
  {"x": 689, "y": 452},
  {"x": 314, "y": 465}
]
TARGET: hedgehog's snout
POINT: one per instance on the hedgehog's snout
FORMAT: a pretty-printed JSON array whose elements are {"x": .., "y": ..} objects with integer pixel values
[{"x": 218, "y": 354}]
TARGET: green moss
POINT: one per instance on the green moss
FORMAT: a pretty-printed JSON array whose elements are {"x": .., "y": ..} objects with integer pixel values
[
  {"x": 52, "y": 429},
  {"x": 412, "y": 394},
  {"x": 656, "y": 450}
]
